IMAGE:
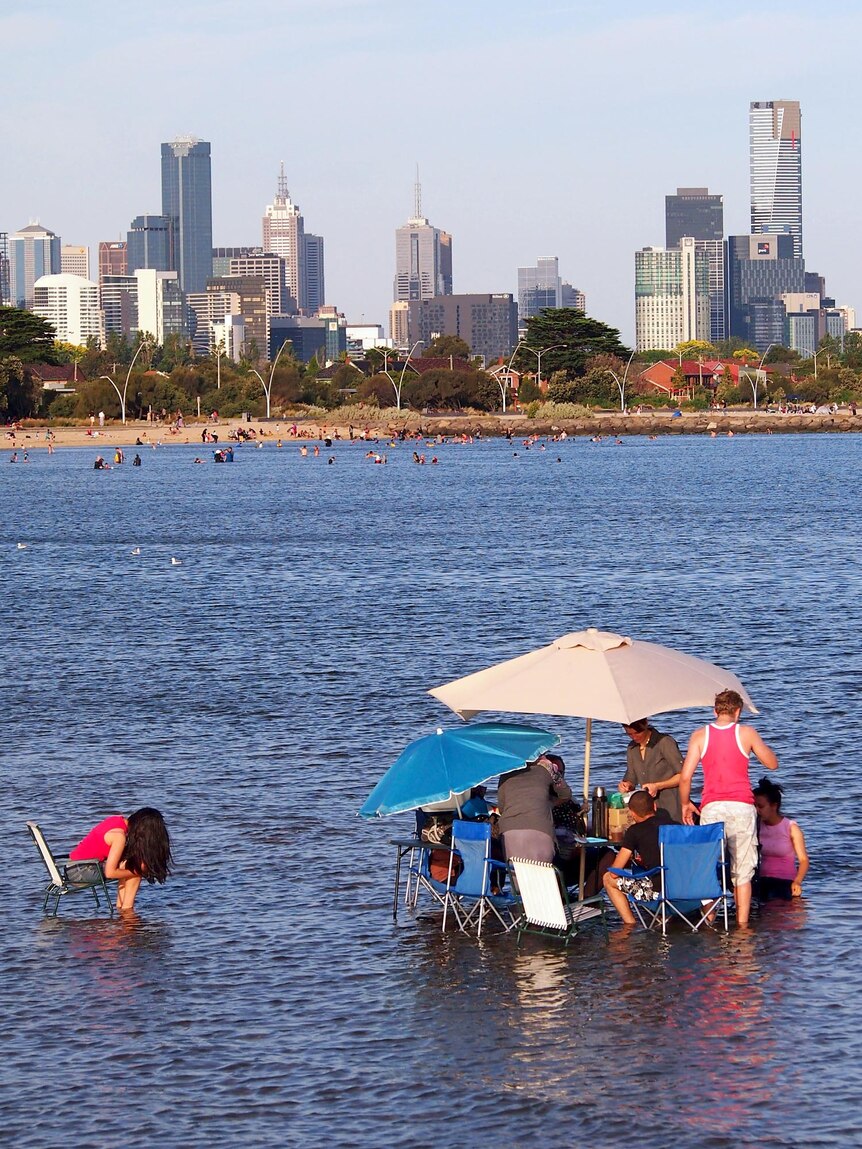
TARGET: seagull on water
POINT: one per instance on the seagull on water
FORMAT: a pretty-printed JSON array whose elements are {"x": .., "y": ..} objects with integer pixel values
[
  {"x": 136, "y": 551},
  {"x": 22, "y": 546},
  {"x": 176, "y": 562}
]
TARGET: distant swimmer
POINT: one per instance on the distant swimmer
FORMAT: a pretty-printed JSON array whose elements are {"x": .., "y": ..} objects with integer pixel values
[
  {"x": 136, "y": 462},
  {"x": 14, "y": 458},
  {"x": 331, "y": 459},
  {"x": 136, "y": 551},
  {"x": 303, "y": 450}
]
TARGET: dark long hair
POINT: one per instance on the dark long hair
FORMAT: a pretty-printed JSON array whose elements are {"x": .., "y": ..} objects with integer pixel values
[
  {"x": 148, "y": 845},
  {"x": 771, "y": 791}
]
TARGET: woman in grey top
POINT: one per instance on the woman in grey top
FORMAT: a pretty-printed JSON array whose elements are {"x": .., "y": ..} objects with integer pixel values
[
  {"x": 525, "y": 799},
  {"x": 653, "y": 762}
]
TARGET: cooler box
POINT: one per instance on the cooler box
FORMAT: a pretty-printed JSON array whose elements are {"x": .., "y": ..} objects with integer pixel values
[{"x": 618, "y": 823}]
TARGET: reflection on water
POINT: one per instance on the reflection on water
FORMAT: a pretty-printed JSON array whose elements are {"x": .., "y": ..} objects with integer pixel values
[{"x": 256, "y": 693}]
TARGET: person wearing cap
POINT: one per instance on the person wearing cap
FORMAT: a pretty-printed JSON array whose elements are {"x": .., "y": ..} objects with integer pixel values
[{"x": 653, "y": 762}]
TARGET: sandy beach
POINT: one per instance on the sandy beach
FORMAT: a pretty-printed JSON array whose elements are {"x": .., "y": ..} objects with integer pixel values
[{"x": 115, "y": 434}]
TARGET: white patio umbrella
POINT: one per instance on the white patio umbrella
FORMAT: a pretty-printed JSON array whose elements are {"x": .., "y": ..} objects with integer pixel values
[{"x": 592, "y": 674}]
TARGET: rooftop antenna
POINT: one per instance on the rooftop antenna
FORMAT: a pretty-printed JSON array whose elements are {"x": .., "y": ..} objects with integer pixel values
[
  {"x": 282, "y": 183},
  {"x": 417, "y": 195}
]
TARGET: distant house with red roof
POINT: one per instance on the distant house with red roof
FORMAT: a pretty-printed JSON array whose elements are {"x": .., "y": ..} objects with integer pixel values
[{"x": 678, "y": 380}]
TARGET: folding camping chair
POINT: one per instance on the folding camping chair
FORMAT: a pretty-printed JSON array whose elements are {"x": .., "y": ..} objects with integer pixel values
[
  {"x": 469, "y": 893},
  {"x": 88, "y": 875},
  {"x": 545, "y": 902},
  {"x": 692, "y": 877}
]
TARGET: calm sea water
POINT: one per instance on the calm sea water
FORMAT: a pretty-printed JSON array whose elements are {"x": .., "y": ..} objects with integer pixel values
[{"x": 256, "y": 692}]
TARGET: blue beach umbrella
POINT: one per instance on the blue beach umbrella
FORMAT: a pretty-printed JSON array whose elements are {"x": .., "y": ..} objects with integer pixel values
[{"x": 438, "y": 766}]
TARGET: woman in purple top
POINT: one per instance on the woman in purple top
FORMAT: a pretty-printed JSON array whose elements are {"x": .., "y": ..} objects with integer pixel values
[{"x": 783, "y": 856}]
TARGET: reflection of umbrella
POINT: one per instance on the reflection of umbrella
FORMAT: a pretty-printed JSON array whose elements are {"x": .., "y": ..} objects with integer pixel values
[
  {"x": 441, "y": 765},
  {"x": 592, "y": 674}
]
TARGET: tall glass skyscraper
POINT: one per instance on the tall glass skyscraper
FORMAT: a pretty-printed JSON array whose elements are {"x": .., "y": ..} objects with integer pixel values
[
  {"x": 776, "y": 169},
  {"x": 150, "y": 244},
  {"x": 694, "y": 212},
  {"x": 187, "y": 202}
]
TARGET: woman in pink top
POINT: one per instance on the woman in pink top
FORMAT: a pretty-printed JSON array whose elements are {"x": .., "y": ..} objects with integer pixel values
[
  {"x": 783, "y": 857},
  {"x": 130, "y": 850}
]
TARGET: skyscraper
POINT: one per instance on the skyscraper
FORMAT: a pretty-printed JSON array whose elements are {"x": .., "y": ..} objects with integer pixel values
[
  {"x": 284, "y": 235},
  {"x": 187, "y": 203},
  {"x": 112, "y": 258},
  {"x": 5, "y": 296},
  {"x": 760, "y": 268},
  {"x": 75, "y": 260},
  {"x": 694, "y": 212},
  {"x": 671, "y": 295},
  {"x": 423, "y": 257},
  {"x": 34, "y": 251},
  {"x": 70, "y": 303},
  {"x": 539, "y": 287},
  {"x": 776, "y": 169},
  {"x": 315, "y": 287},
  {"x": 150, "y": 244}
]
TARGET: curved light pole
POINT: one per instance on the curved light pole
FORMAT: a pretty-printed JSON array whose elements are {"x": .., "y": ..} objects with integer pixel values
[
  {"x": 754, "y": 384},
  {"x": 621, "y": 384},
  {"x": 267, "y": 387},
  {"x": 539, "y": 354},
  {"x": 121, "y": 395},
  {"x": 400, "y": 383},
  {"x": 507, "y": 374}
]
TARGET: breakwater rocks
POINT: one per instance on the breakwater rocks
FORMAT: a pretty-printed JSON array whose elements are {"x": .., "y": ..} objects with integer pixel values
[{"x": 619, "y": 425}]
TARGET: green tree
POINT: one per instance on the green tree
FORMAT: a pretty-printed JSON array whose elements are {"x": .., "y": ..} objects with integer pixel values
[
  {"x": 446, "y": 345},
  {"x": 575, "y": 337},
  {"x": 26, "y": 337}
]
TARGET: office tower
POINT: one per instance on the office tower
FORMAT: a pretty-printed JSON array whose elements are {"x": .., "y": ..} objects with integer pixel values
[
  {"x": 539, "y": 288},
  {"x": 776, "y": 169},
  {"x": 694, "y": 212},
  {"x": 305, "y": 334},
  {"x": 70, "y": 303},
  {"x": 75, "y": 260},
  {"x": 488, "y": 324},
  {"x": 815, "y": 282},
  {"x": 671, "y": 295},
  {"x": 572, "y": 297},
  {"x": 112, "y": 258},
  {"x": 34, "y": 252},
  {"x": 249, "y": 292},
  {"x": 272, "y": 269},
  {"x": 5, "y": 287},
  {"x": 150, "y": 243},
  {"x": 223, "y": 255},
  {"x": 315, "y": 289},
  {"x": 760, "y": 267},
  {"x": 118, "y": 296},
  {"x": 423, "y": 257},
  {"x": 208, "y": 311},
  {"x": 398, "y": 330},
  {"x": 187, "y": 203},
  {"x": 283, "y": 234}
]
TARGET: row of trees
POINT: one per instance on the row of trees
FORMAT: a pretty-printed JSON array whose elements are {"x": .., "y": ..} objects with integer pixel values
[{"x": 583, "y": 360}]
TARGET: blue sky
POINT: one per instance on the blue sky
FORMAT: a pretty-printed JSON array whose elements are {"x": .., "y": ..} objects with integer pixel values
[{"x": 553, "y": 129}]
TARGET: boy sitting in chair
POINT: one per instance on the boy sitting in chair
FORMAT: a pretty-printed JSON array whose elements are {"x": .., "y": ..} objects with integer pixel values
[{"x": 639, "y": 841}]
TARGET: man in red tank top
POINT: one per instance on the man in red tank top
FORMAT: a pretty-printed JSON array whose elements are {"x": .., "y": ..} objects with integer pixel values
[{"x": 724, "y": 748}]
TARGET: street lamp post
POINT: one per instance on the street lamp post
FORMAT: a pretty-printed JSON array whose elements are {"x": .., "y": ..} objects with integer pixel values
[
  {"x": 267, "y": 387},
  {"x": 121, "y": 395},
  {"x": 539, "y": 354},
  {"x": 504, "y": 376},
  {"x": 400, "y": 383},
  {"x": 621, "y": 383}
]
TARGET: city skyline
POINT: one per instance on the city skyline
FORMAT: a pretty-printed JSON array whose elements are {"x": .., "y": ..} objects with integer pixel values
[{"x": 509, "y": 179}]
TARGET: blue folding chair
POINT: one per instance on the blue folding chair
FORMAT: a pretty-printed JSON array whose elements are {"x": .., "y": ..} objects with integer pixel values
[
  {"x": 469, "y": 893},
  {"x": 692, "y": 877}
]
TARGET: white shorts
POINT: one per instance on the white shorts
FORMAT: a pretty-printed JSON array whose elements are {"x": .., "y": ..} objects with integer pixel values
[{"x": 740, "y": 831}]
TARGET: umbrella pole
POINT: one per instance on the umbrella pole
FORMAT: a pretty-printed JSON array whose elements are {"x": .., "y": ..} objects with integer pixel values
[{"x": 587, "y": 746}]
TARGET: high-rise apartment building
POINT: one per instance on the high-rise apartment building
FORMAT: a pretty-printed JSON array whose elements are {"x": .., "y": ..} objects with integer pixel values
[
  {"x": 70, "y": 303},
  {"x": 671, "y": 295},
  {"x": 572, "y": 297},
  {"x": 284, "y": 235},
  {"x": 539, "y": 287},
  {"x": 423, "y": 258},
  {"x": 147, "y": 300},
  {"x": 150, "y": 243},
  {"x": 34, "y": 251},
  {"x": 315, "y": 287},
  {"x": 694, "y": 212},
  {"x": 75, "y": 260},
  {"x": 112, "y": 258},
  {"x": 272, "y": 269},
  {"x": 248, "y": 298},
  {"x": 5, "y": 288},
  {"x": 187, "y": 203},
  {"x": 775, "y": 133}
]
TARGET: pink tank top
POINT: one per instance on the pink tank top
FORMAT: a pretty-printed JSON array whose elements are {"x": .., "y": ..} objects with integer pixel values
[
  {"x": 94, "y": 847},
  {"x": 725, "y": 766},
  {"x": 778, "y": 858}
]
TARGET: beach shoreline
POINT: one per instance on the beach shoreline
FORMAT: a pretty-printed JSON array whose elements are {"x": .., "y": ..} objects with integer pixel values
[{"x": 617, "y": 425}]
